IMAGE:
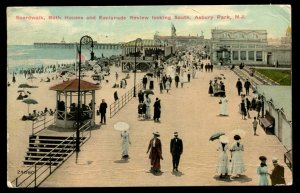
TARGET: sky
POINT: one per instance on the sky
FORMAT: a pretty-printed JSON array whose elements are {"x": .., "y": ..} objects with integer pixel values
[{"x": 22, "y": 30}]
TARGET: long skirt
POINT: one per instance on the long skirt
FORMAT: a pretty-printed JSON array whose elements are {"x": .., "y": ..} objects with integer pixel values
[
  {"x": 210, "y": 90},
  {"x": 151, "y": 86}
]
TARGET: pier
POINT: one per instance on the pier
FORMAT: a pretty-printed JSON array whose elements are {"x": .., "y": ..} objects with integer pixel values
[{"x": 71, "y": 45}]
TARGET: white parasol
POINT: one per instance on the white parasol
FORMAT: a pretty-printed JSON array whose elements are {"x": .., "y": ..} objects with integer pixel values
[
  {"x": 121, "y": 126},
  {"x": 224, "y": 139}
]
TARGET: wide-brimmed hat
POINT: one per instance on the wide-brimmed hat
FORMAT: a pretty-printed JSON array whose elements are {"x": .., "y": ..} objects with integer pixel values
[
  {"x": 261, "y": 158},
  {"x": 237, "y": 137},
  {"x": 156, "y": 133}
]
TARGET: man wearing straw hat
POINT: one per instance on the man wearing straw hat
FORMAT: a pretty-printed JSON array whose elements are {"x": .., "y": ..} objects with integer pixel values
[
  {"x": 155, "y": 152},
  {"x": 277, "y": 175},
  {"x": 176, "y": 149}
]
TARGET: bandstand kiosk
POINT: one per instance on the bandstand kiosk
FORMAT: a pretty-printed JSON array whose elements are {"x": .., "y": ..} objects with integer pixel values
[{"x": 66, "y": 98}]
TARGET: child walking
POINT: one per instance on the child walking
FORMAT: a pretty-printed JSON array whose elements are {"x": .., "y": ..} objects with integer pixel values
[{"x": 254, "y": 123}]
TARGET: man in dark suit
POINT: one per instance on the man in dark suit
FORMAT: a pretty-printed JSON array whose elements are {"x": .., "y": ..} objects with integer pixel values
[
  {"x": 277, "y": 175},
  {"x": 239, "y": 86},
  {"x": 176, "y": 80},
  {"x": 176, "y": 149},
  {"x": 145, "y": 80},
  {"x": 141, "y": 96},
  {"x": 247, "y": 85},
  {"x": 102, "y": 111}
]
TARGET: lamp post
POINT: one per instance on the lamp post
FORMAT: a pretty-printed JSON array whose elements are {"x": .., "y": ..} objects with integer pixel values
[
  {"x": 166, "y": 42},
  {"x": 84, "y": 40},
  {"x": 134, "y": 87}
]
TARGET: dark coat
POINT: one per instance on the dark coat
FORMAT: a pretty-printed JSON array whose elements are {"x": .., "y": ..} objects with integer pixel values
[
  {"x": 239, "y": 84},
  {"x": 176, "y": 148},
  {"x": 141, "y": 96},
  {"x": 155, "y": 153},
  {"x": 103, "y": 107},
  {"x": 176, "y": 78},
  {"x": 210, "y": 89},
  {"x": 247, "y": 84},
  {"x": 145, "y": 80},
  {"x": 243, "y": 108},
  {"x": 277, "y": 175},
  {"x": 157, "y": 109},
  {"x": 222, "y": 87}
]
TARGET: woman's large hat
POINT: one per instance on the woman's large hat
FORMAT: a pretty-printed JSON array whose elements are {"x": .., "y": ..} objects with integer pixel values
[{"x": 261, "y": 158}]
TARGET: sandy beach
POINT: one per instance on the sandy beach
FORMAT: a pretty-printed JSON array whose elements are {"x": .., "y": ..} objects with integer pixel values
[{"x": 18, "y": 131}]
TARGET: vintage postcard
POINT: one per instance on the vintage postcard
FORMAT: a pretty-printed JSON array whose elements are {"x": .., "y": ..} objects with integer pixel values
[{"x": 149, "y": 96}]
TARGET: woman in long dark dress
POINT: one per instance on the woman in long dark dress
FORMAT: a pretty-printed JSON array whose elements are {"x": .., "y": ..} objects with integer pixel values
[
  {"x": 155, "y": 155},
  {"x": 243, "y": 109},
  {"x": 210, "y": 89},
  {"x": 156, "y": 110},
  {"x": 151, "y": 85}
]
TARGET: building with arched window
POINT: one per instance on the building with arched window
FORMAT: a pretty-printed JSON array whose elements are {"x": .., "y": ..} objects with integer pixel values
[
  {"x": 247, "y": 46},
  {"x": 251, "y": 47}
]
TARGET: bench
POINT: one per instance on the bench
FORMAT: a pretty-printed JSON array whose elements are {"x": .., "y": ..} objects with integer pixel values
[
  {"x": 288, "y": 159},
  {"x": 267, "y": 123}
]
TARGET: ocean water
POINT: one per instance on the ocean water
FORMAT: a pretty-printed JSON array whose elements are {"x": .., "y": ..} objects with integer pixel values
[{"x": 24, "y": 56}]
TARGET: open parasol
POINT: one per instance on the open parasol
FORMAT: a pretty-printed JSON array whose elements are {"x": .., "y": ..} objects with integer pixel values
[
  {"x": 24, "y": 86},
  {"x": 216, "y": 136},
  {"x": 148, "y": 92},
  {"x": 224, "y": 139},
  {"x": 121, "y": 126},
  {"x": 29, "y": 101}
]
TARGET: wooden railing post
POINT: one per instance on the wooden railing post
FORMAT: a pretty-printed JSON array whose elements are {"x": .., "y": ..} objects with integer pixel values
[
  {"x": 50, "y": 164},
  {"x": 34, "y": 175},
  {"x": 44, "y": 121},
  {"x": 32, "y": 128}
]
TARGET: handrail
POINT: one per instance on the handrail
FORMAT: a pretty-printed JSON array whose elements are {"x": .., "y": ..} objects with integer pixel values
[
  {"x": 82, "y": 129},
  {"x": 40, "y": 160},
  {"x": 123, "y": 100},
  {"x": 34, "y": 127}
]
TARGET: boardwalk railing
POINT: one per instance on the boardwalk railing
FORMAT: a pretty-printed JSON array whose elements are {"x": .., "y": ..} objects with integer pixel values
[
  {"x": 121, "y": 102},
  {"x": 40, "y": 124},
  {"x": 36, "y": 174}
]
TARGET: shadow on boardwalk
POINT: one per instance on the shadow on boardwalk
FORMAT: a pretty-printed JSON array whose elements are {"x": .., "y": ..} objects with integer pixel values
[{"x": 241, "y": 179}]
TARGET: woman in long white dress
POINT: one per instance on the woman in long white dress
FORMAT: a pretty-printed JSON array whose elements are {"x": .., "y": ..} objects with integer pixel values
[
  {"x": 168, "y": 85},
  {"x": 237, "y": 161},
  {"x": 223, "y": 108},
  {"x": 147, "y": 102},
  {"x": 215, "y": 86},
  {"x": 125, "y": 144},
  {"x": 222, "y": 166}
]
